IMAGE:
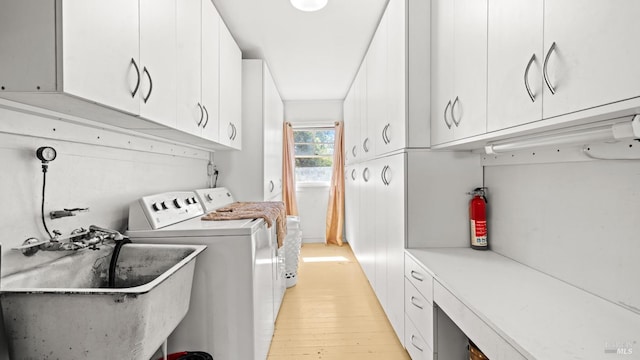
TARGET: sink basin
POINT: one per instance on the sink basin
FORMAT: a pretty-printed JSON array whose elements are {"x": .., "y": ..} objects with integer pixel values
[{"x": 64, "y": 309}]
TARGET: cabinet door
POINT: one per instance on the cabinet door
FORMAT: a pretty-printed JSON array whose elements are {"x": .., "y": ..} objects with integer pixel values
[
  {"x": 273, "y": 116},
  {"x": 365, "y": 144},
  {"x": 595, "y": 61},
  {"x": 469, "y": 103},
  {"x": 231, "y": 90},
  {"x": 379, "y": 223},
  {"x": 377, "y": 87},
  {"x": 210, "y": 82},
  {"x": 395, "y": 131},
  {"x": 515, "y": 63},
  {"x": 394, "y": 207},
  {"x": 366, "y": 222},
  {"x": 190, "y": 113},
  {"x": 351, "y": 127},
  {"x": 441, "y": 70},
  {"x": 351, "y": 205},
  {"x": 100, "y": 43},
  {"x": 158, "y": 61}
]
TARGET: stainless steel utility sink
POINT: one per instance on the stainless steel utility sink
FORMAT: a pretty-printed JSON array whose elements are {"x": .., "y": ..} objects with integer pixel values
[{"x": 63, "y": 310}]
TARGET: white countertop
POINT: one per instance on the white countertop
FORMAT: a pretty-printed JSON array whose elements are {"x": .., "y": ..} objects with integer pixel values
[{"x": 540, "y": 316}]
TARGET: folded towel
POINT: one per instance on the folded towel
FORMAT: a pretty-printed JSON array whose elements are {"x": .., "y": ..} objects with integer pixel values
[{"x": 270, "y": 211}]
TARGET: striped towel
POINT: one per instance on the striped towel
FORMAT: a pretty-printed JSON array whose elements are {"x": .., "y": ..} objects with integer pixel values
[{"x": 270, "y": 211}]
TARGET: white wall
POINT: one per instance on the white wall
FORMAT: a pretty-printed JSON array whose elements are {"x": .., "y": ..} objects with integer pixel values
[
  {"x": 313, "y": 200},
  {"x": 101, "y": 177},
  {"x": 578, "y": 222}
]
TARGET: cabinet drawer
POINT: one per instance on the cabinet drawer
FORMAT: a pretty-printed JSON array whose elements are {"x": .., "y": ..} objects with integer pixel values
[
  {"x": 417, "y": 348},
  {"x": 419, "y": 277},
  {"x": 492, "y": 344},
  {"x": 419, "y": 310}
]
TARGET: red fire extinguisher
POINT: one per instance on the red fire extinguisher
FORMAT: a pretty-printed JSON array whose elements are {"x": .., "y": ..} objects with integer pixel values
[{"x": 478, "y": 217}]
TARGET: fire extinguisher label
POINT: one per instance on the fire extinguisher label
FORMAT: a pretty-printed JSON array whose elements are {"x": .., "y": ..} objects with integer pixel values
[{"x": 479, "y": 232}]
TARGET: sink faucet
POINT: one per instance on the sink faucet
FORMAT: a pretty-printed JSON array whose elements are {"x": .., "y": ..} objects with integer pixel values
[{"x": 78, "y": 239}]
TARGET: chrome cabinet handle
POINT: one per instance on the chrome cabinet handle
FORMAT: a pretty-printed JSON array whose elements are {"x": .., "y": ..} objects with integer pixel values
[
  {"x": 207, "y": 118},
  {"x": 364, "y": 145},
  {"x": 382, "y": 134},
  {"x": 353, "y": 150},
  {"x": 145, "y": 71},
  {"x": 416, "y": 275},
  {"x": 230, "y": 131},
  {"x": 272, "y": 186},
  {"x": 545, "y": 66},
  {"x": 414, "y": 303},
  {"x": 445, "y": 114},
  {"x": 365, "y": 174},
  {"x": 384, "y": 181},
  {"x": 201, "y": 115},
  {"x": 235, "y": 131},
  {"x": 414, "y": 344},
  {"x": 386, "y": 133},
  {"x": 526, "y": 78},
  {"x": 353, "y": 174},
  {"x": 453, "y": 115},
  {"x": 133, "y": 93}
]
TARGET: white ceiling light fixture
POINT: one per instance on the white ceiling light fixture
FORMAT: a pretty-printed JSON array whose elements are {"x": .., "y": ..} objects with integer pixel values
[{"x": 309, "y": 5}]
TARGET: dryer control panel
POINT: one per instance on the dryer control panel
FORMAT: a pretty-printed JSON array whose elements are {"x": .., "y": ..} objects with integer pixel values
[
  {"x": 214, "y": 198},
  {"x": 160, "y": 210}
]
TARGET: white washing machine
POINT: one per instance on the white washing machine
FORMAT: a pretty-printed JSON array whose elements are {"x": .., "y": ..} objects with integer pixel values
[{"x": 237, "y": 283}]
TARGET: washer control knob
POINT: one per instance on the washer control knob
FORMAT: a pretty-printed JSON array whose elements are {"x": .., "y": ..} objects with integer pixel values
[
  {"x": 164, "y": 205},
  {"x": 156, "y": 207},
  {"x": 209, "y": 197},
  {"x": 194, "y": 200},
  {"x": 188, "y": 201},
  {"x": 177, "y": 203}
]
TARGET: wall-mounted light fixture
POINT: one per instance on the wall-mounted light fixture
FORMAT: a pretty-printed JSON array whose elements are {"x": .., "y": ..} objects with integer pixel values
[
  {"x": 617, "y": 131},
  {"x": 309, "y": 5}
]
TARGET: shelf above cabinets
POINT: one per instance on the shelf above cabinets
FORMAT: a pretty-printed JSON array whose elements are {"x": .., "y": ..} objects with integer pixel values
[{"x": 133, "y": 73}]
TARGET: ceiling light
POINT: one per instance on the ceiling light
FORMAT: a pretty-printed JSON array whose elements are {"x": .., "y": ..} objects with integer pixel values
[
  {"x": 619, "y": 131},
  {"x": 309, "y": 5}
]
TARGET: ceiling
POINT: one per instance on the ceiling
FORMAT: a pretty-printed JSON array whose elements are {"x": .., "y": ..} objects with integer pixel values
[{"x": 312, "y": 56}]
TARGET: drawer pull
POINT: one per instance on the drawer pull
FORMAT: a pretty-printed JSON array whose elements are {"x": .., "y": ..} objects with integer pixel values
[
  {"x": 414, "y": 344},
  {"x": 416, "y": 275},
  {"x": 413, "y": 301}
]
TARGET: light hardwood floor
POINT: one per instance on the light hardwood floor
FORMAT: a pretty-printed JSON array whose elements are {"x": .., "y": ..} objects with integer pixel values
[{"x": 332, "y": 313}]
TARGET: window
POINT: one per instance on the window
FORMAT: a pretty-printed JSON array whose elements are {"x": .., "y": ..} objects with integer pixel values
[{"x": 314, "y": 154}]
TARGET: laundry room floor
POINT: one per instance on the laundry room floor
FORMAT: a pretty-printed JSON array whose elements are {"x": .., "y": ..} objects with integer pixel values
[{"x": 332, "y": 313}]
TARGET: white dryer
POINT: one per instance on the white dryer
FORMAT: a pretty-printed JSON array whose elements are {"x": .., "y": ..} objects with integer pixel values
[{"x": 233, "y": 301}]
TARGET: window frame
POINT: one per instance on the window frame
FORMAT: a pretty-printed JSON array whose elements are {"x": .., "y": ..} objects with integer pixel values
[{"x": 313, "y": 183}]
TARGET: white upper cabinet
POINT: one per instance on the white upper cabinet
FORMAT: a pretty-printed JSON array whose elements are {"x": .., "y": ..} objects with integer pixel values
[
  {"x": 100, "y": 56},
  {"x": 441, "y": 70},
  {"x": 198, "y": 49},
  {"x": 459, "y": 69},
  {"x": 556, "y": 57},
  {"x": 351, "y": 127},
  {"x": 230, "y": 90},
  {"x": 158, "y": 61},
  {"x": 377, "y": 87},
  {"x": 595, "y": 58},
  {"x": 210, "y": 67},
  {"x": 149, "y": 65},
  {"x": 515, "y": 63}
]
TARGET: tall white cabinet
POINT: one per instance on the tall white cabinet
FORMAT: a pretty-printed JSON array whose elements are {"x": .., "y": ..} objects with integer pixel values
[
  {"x": 391, "y": 176},
  {"x": 255, "y": 173}
]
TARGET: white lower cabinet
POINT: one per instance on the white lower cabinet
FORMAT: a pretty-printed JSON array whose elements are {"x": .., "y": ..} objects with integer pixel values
[
  {"x": 396, "y": 201},
  {"x": 416, "y": 346}
]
